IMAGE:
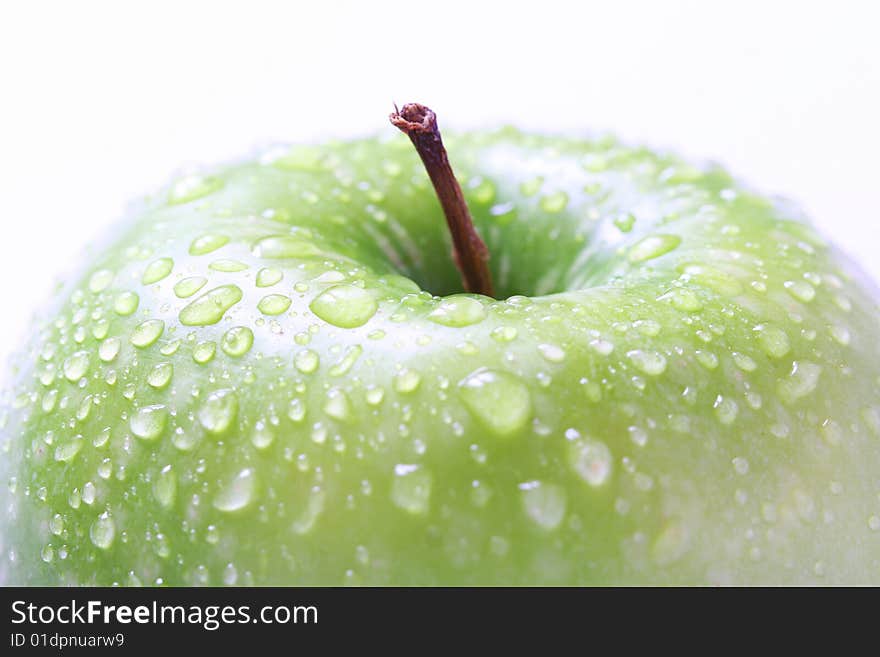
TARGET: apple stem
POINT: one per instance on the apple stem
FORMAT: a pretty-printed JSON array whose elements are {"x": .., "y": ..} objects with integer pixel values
[{"x": 469, "y": 251}]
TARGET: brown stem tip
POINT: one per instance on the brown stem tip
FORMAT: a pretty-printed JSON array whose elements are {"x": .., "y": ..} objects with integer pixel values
[{"x": 469, "y": 251}]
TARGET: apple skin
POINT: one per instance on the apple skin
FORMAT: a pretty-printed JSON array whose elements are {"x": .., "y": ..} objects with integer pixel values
[{"x": 689, "y": 394}]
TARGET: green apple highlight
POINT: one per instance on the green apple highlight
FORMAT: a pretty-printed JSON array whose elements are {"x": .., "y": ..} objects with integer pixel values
[{"x": 270, "y": 374}]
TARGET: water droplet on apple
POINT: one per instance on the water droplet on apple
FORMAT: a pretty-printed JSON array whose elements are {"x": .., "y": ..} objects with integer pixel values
[
  {"x": 165, "y": 487},
  {"x": 237, "y": 341},
  {"x": 160, "y": 375},
  {"x": 552, "y": 353},
  {"x": 211, "y": 306},
  {"x": 649, "y": 362},
  {"x": 268, "y": 276},
  {"x": 683, "y": 299},
  {"x": 499, "y": 400},
  {"x": 76, "y": 366},
  {"x": 375, "y": 395},
  {"x": 591, "y": 460},
  {"x": 406, "y": 381},
  {"x": 504, "y": 333},
  {"x": 100, "y": 280},
  {"x": 800, "y": 290},
  {"x": 344, "y": 364},
  {"x": 68, "y": 451},
  {"x": 218, "y": 411},
  {"x": 207, "y": 244},
  {"x": 274, "y": 304},
  {"x": 802, "y": 380},
  {"x": 773, "y": 341},
  {"x": 411, "y": 488},
  {"x": 148, "y": 422},
  {"x": 652, "y": 247},
  {"x": 726, "y": 409},
  {"x": 296, "y": 410},
  {"x": 314, "y": 508},
  {"x": 262, "y": 436},
  {"x": 192, "y": 187},
  {"x": 625, "y": 222},
  {"x": 707, "y": 359},
  {"x": 458, "y": 311},
  {"x": 337, "y": 405},
  {"x": 157, "y": 270},
  {"x": 554, "y": 203},
  {"x": 284, "y": 246},
  {"x": 744, "y": 362},
  {"x": 146, "y": 333},
  {"x": 203, "y": 352},
  {"x": 543, "y": 503},
  {"x": 840, "y": 334},
  {"x": 187, "y": 287},
  {"x": 306, "y": 361},
  {"x": 126, "y": 303},
  {"x": 345, "y": 306},
  {"x": 237, "y": 493},
  {"x": 109, "y": 349},
  {"x": 103, "y": 531}
]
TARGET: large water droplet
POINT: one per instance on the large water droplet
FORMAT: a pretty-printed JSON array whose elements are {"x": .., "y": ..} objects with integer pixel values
[
  {"x": 207, "y": 244},
  {"x": 457, "y": 311},
  {"x": 148, "y": 422},
  {"x": 337, "y": 405},
  {"x": 591, "y": 460},
  {"x": 103, "y": 531},
  {"x": 237, "y": 493},
  {"x": 552, "y": 353},
  {"x": 211, "y": 306},
  {"x": 499, "y": 400},
  {"x": 109, "y": 349},
  {"x": 187, "y": 287},
  {"x": 306, "y": 361},
  {"x": 652, "y": 247},
  {"x": 650, "y": 362},
  {"x": 192, "y": 187},
  {"x": 314, "y": 508},
  {"x": 406, "y": 381},
  {"x": 411, "y": 488},
  {"x": 262, "y": 436},
  {"x": 346, "y": 306},
  {"x": 349, "y": 358},
  {"x": 800, "y": 290},
  {"x": 218, "y": 411},
  {"x": 100, "y": 280},
  {"x": 160, "y": 375},
  {"x": 554, "y": 202},
  {"x": 165, "y": 487},
  {"x": 67, "y": 451},
  {"x": 237, "y": 341},
  {"x": 773, "y": 341},
  {"x": 802, "y": 380},
  {"x": 76, "y": 366},
  {"x": 157, "y": 270},
  {"x": 203, "y": 352},
  {"x": 726, "y": 409},
  {"x": 274, "y": 304},
  {"x": 126, "y": 303},
  {"x": 543, "y": 503},
  {"x": 268, "y": 276},
  {"x": 146, "y": 333}
]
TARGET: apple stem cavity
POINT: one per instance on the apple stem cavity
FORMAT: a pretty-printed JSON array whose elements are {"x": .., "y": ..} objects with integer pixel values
[{"x": 469, "y": 251}]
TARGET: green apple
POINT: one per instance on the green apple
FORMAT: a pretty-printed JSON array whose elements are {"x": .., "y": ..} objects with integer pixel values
[{"x": 271, "y": 374}]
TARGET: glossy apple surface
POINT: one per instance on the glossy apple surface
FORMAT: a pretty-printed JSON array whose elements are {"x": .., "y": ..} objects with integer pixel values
[{"x": 266, "y": 376}]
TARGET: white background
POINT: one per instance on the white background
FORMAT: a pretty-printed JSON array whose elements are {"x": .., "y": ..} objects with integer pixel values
[{"x": 101, "y": 102}]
